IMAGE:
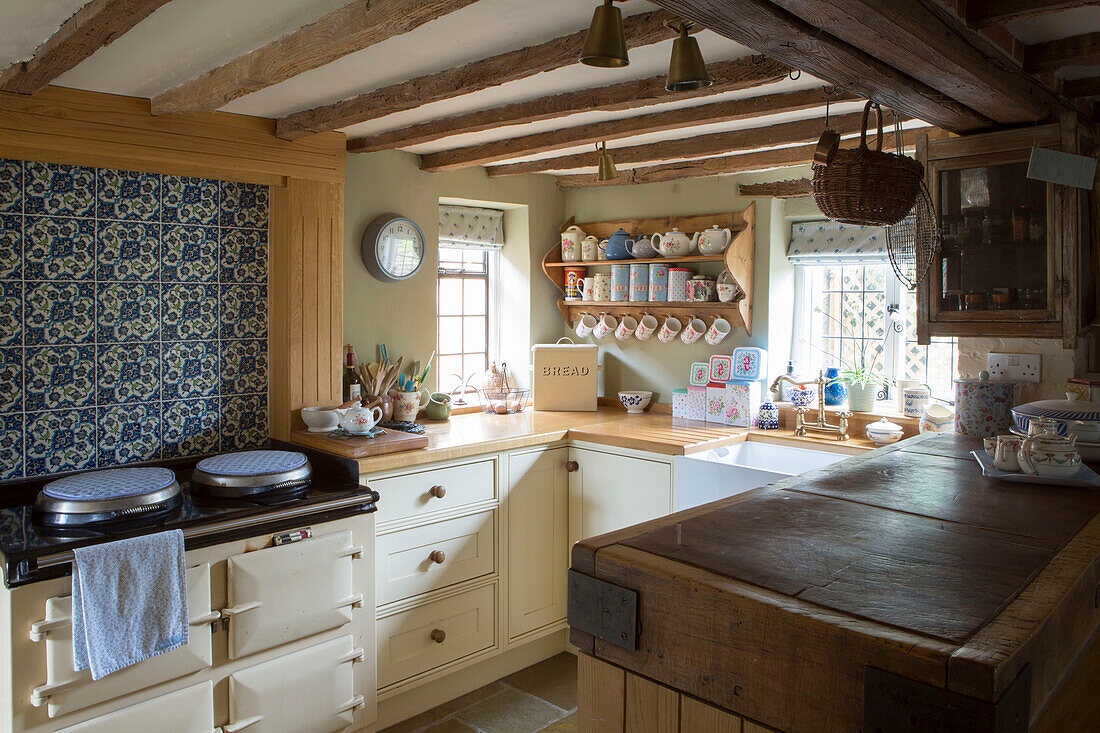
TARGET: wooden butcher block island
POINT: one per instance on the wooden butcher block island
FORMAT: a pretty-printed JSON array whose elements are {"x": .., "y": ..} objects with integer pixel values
[{"x": 896, "y": 591}]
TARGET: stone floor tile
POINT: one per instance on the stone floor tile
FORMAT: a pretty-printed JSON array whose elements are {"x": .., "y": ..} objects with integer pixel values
[
  {"x": 442, "y": 711},
  {"x": 553, "y": 680},
  {"x": 510, "y": 711}
]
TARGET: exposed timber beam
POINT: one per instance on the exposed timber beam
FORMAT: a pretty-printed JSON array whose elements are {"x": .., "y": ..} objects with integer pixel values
[
  {"x": 726, "y": 164},
  {"x": 984, "y": 13},
  {"x": 89, "y": 29},
  {"x": 641, "y": 30},
  {"x": 779, "y": 34},
  {"x": 793, "y": 188},
  {"x": 785, "y": 133},
  {"x": 728, "y": 76},
  {"x": 1083, "y": 50},
  {"x": 1077, "y": 88},
  {"x": 570, "y": 137},
  {"x": 355, "y": 26},
  {"x": 923, "y": 40}
]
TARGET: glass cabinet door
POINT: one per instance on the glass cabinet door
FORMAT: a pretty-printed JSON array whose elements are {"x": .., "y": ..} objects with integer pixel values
[{"x": 995, "y": 263}]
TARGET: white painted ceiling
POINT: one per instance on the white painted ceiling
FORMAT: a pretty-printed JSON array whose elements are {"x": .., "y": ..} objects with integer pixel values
[{"x": 25, "y": 24}]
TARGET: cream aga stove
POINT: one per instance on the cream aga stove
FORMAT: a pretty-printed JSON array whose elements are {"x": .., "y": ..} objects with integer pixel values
[{"x": 280, "y": 591}]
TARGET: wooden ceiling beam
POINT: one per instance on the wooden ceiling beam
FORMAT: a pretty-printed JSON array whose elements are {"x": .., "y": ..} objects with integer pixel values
[
  {"x": 781, "y": 35},
  {"x": 985, "y": 13},
  {"x": 789, "y": 189},
  {"x": 641, "y": 30},
  {"x": 353, "y": 27},
  {"x": 923, "y": 40},
  {"x": 1077, "y": 88},
  {"x": 728, "y": 76},
  {"x": 675, "y": 119},
  {"x": 785, "y": 133},
  {"x": 97, "y": 24},
  {"x": 726, "y": 164},
  {"x": 1083, "y": 50}
]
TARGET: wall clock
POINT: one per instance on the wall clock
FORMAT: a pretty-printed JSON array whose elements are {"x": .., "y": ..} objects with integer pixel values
[{"x": 393, "y": 248}]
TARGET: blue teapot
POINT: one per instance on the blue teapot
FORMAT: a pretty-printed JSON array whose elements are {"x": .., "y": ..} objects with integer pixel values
[{"x": 618, "y": 245}]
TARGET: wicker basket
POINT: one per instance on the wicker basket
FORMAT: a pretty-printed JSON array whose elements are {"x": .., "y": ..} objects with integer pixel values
[{"x": 864, "y": 186}]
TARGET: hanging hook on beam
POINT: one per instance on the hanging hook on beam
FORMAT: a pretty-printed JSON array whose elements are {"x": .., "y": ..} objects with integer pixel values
[
  {"x": 758, "y": 58},
  {"x": 794, "y": 74}
]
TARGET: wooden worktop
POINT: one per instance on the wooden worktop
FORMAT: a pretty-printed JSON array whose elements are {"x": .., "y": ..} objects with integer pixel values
[
  {"x": 477, "y": 433},
  {"x": 788, "y": 604}
]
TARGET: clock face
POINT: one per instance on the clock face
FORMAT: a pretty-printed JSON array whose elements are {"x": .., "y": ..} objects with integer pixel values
[{"x": 393, "y": 248}]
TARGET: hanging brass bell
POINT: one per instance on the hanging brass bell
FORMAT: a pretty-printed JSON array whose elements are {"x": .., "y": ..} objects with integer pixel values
[
  {"x": 686, "y": 68},
  {"x": 607, "y": 170},
  {"x": 605, "y": 45}
]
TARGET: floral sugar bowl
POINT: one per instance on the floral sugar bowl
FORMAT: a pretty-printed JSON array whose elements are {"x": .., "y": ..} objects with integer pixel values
[
  {"x": 1048, "y": 454},
  {"x": 884, "y": 432}
]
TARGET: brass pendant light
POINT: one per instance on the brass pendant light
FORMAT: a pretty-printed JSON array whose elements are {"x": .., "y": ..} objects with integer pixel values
[
  {"x": 607, "y": 170},
  {"x": 605, "y": 45},
  {"x": 686, "y": 69}
]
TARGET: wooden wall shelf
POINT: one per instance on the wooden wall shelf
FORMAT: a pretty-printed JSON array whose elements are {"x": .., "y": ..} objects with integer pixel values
[{"x": 739, "y": 258}]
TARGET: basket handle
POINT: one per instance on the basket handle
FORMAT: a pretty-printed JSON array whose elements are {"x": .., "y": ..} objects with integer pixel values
[{"x": 863, "y": 124}]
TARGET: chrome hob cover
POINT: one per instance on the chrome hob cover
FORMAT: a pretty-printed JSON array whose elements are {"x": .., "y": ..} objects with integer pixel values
[
  {"x": 248, "y": 473},
  {"x": 108, "y": 495}
]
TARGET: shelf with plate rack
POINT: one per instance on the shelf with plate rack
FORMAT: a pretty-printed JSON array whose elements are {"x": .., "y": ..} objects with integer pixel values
[{"x": 738, "y": 259}]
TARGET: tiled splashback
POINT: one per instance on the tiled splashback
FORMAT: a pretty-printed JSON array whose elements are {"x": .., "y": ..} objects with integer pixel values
[{"x": 133, "y": 317}]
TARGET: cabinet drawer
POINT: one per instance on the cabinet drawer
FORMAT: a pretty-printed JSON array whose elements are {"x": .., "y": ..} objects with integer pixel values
[
  {"x": 190, "y": 710},
  {"x": 434, "y": 634},
  {"x": 67, "y": 690},
  {"x": 417, "y": 560},
  {"x": 414, "y": 494}
]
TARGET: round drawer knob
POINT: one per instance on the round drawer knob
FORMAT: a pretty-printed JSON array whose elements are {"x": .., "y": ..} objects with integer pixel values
[
  {"x": 437, "y": 556},
  {"x": 439, "y": 636},
  {"x": 438, "y": 492},
  {"x": 572, "y": 466}
]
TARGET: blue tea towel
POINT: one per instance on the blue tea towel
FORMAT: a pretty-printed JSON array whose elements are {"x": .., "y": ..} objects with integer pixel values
[{"x": 129, "y": 601}]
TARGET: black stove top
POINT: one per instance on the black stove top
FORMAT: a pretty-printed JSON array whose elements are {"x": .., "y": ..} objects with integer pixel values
[{"x": 32, "y": 551}]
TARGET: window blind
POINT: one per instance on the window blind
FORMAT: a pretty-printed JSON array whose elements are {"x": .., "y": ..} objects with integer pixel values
[
  {"x": 827, "y": 242},
  {"x": 471, "y": 228}
]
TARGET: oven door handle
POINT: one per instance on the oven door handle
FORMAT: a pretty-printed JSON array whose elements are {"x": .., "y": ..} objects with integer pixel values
[
  {"x": 355, "y": 655},
  {"x": 355, "y": 552},
  {"x": 355, "y": 601},
  {"x": 356, "y": 702},
  {"x": 236, "y": 610},
  {"x": 39, "y": 629}
]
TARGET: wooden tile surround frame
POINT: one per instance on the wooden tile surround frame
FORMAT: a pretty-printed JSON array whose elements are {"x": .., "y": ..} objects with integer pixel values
[{"x": 306, "y": 229}]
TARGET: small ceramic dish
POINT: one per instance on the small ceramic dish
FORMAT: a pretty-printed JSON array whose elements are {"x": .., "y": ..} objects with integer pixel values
[
  {"x": 884, "y": 432},
  {"x": 321, "y": 419},
  {"x": 803, "y": 397},
  {"x": 636, "y": 401}
]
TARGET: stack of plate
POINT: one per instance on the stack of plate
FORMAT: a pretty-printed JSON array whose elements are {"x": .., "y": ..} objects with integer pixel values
[{"x": 1071, "y": 417}]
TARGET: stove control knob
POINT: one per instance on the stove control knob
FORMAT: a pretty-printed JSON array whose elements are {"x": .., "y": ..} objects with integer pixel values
[
  {"x": 439, "y": 636},
  {"x": 437, "y": 556},
  {"x": 438, "y": 492}
]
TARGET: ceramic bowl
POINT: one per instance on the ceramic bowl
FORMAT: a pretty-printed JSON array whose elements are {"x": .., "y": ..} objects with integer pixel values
[
  {"x": 635, "y": 402},
  {"x": 321, "y": 419},
  {"x": 803, "y": 397},
  {"x": 1063, "y": 412},
  {"x": 884, "y": 432}
]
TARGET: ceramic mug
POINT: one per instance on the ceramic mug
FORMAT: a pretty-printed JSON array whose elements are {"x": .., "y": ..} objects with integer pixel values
[
  {"x": 626, "y": 328},
  {"x": 1004, "y": 456},
  {"x": 605, "y": 325},
  {"x": 669, "y": 329},
  {"x": 914, "y": 399},
  {"x": 601, "y": 290},
  {"x": 990, "y": 445},
  {"x": 647, "y": 325},
  {"x": 407, "y": 404},
  {"x": 904, "y": 384},
  {"x": 694, "y": 329},
  {"x": 718, "y": 331},
  {"x": 585, "y": 324}
]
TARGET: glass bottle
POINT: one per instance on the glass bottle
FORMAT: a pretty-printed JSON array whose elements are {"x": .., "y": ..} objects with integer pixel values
[{"x": 353, "y": 385}]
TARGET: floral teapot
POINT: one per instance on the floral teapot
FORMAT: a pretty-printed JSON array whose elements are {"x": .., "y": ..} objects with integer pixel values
[
  {"x": 713, "y": 241},
  {"x": 674, "y": 243},
  {"x": 1045, "y": 453},
  {"x": 359, "y": 420}
]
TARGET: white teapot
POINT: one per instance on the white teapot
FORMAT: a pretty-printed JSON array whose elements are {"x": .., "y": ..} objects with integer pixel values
[
  {"x": 674, "y": 243},
  {"x": 713, "y": 241},
  {"x": 359, "y": 420},
  {"x": 1048, "y": 454}
]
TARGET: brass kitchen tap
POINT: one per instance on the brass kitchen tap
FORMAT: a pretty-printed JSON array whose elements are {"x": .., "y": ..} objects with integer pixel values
[{"x": 801, "y": 425}]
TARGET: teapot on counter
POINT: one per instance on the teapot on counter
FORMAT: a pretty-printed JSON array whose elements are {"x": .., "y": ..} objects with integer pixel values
[
  {"x": 1045, "y": 453},
  {"x": 674, "y": 243},
  {"x": 359, "y": 420}
]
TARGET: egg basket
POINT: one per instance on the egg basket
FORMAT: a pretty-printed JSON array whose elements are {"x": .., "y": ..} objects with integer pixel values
[{"x": 503, "y": 401}]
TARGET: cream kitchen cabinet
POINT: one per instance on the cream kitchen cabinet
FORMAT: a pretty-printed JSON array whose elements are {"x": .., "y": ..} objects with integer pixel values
[{"x": 609, "y": 491}]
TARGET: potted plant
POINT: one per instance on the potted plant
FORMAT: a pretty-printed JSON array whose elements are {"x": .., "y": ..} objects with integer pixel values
[{"x": 864, "y": 383}]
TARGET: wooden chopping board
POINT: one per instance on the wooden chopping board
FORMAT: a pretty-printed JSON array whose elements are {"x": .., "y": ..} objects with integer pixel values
[{"x": 394, "y": 441}]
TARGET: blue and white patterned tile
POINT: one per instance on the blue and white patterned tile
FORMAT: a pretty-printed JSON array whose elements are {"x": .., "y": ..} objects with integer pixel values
[
  {"x": 190, "y": 427},
  {"x": 190, "y": 369},
  {"x": 60, "y": 441},
  {"x": 244, "y": 311},
  {"x": 58, "y": 377},
  {"x": 59, "y": 249},
  {"x": 190, "y": 312},
  {"x": 128, "y": 373},
  {"x": 190, "y": 200},
  {"x": 11, "y": 246},
  {"x": 128, "y": 434},
  {"x": 11, "y": 187},
  {"x": 58, "y": 190},
  {"x": 11, "y": 313},
  {"x": 11, "y": 380},
  {"x": 128, "y": 251},
  {"x": 244, "y": 366},
  {"x": 128, "y": 195},
  {"x": 128, "y": 312},
  {"x": 11, "y": 446},
  {"x": 244, "y": 205},
  {"x": 59, "y": 313},
  {"x": 244, "y": 422},
  {"x": 244, "y": 256},
  {"x": 190, "y": 254}
]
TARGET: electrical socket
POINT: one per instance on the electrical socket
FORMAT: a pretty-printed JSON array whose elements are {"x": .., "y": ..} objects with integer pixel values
[{"x": 1015, "y": 367}]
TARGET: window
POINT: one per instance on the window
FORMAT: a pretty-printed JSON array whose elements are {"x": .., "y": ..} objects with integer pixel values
[
  {"x": 860, "y": 314},
  {"x": 463, "y": 290}
]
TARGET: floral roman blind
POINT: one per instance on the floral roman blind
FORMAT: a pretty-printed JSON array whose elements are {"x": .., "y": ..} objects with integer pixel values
[
  {"x": 827, "y": 242},
  {"x": 468, "y": 226}
]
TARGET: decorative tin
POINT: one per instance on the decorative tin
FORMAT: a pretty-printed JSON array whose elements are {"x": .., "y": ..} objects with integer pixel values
[
  {"x": 1085, "y": 389},
  {"x": 620, "y": 283},
  {"x": 743, "y": 400},
  {"x": 679, "y": 404},
  {"x": 658, "y": 282},
  {"x": 700, "y": 289},
  {"x": 983, "y": 408},
  {"x": 749, "y": 362},
  {"x": 768, "y": 416},
  {"x": 601, "y": 292},
  {"x": 697, "y": 403},
  {"x": 677, "y": 283},
  {"x": 574, "y": 283},
  {"x": 721, "y": 368},
  {"x": 716, "y": 404},
  {"x": 700, "y": 374},
  {"x": 639, "y": 283}
]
